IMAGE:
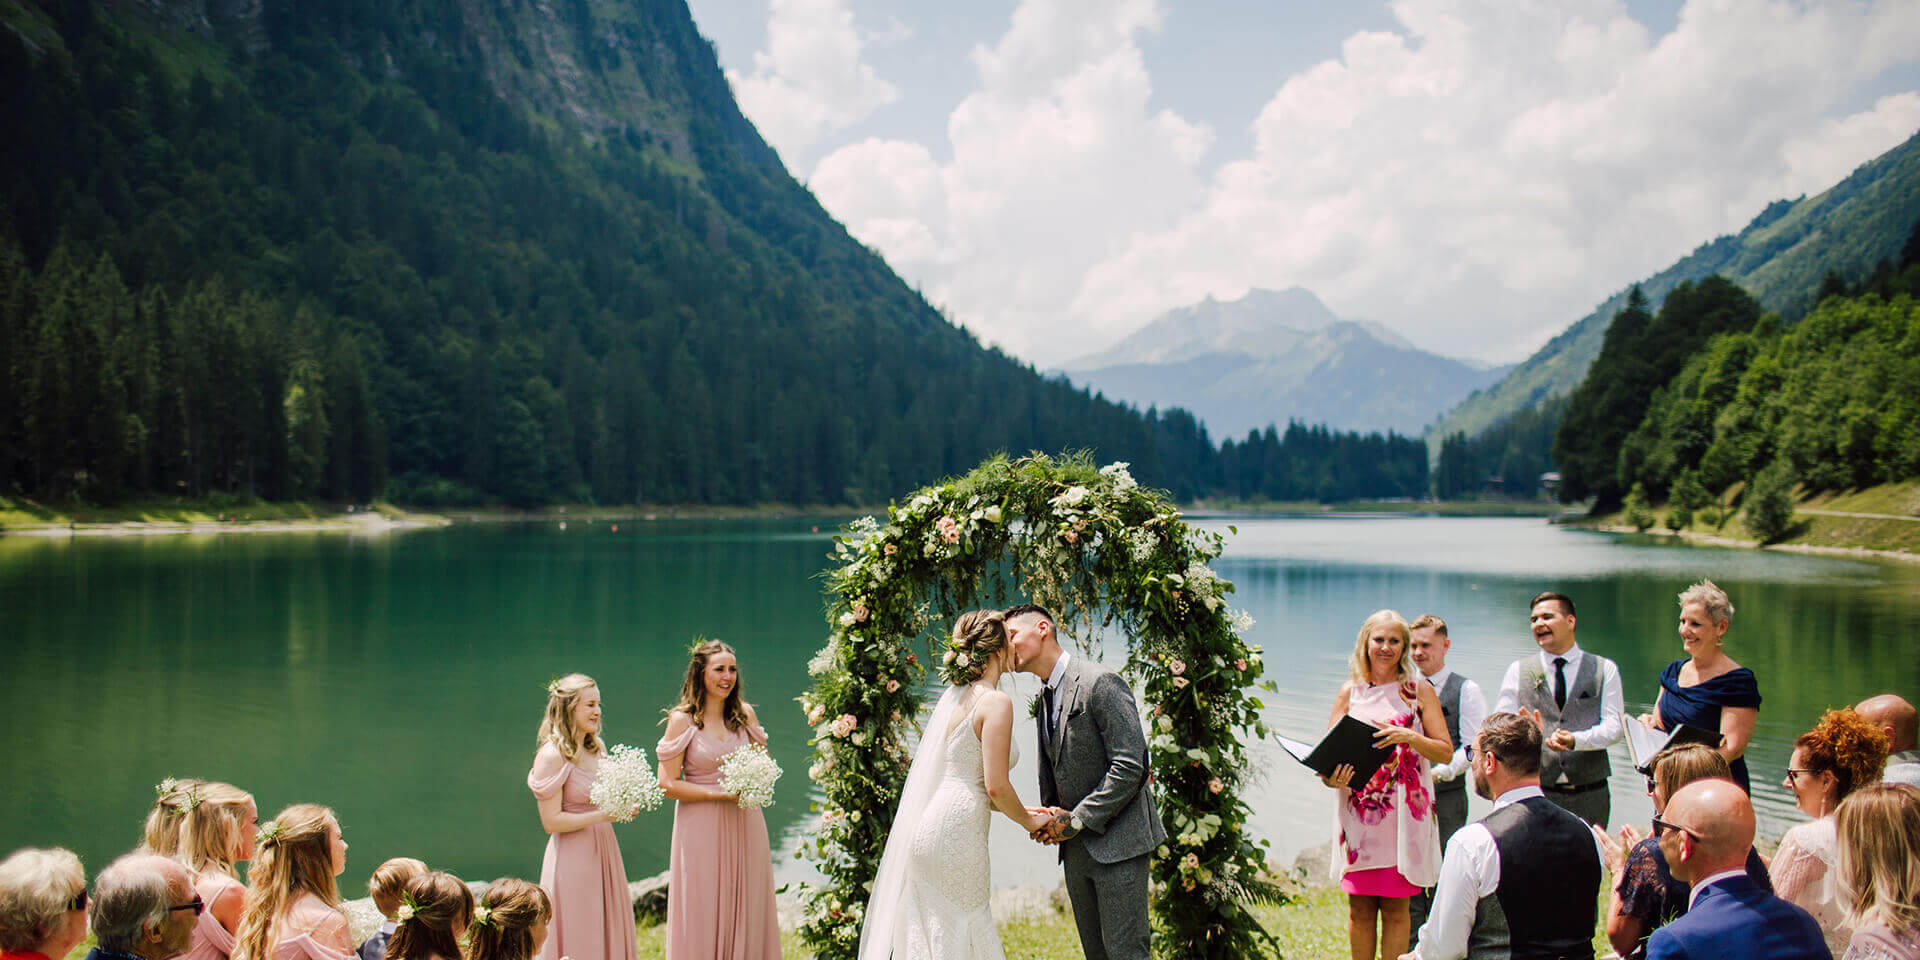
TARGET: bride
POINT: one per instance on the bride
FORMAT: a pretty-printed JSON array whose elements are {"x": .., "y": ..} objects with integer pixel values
[{"x": 930, "y": 897}]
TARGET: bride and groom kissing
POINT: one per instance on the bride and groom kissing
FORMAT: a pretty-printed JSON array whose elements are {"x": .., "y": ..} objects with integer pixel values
[{"x": 931, "y": 898}]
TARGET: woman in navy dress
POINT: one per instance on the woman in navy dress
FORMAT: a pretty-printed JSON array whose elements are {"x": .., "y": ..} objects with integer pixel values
[{"x": 1708, "y": 689}]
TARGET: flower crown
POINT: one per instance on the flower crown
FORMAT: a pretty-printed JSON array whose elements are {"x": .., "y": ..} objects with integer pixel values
[{"x": 270, "y": 832}]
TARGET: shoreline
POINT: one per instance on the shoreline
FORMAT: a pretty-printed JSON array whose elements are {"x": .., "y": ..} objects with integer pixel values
[{"x": 1704, "y": 539}]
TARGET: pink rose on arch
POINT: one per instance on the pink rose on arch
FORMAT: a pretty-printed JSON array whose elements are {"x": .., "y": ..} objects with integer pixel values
[
  {"x": 1215, "y": 786},
  {"x": 949, "y": 529},
  {"x": 890, "y": 549},
  {"x": 1180, "y": 682},
  {"x": 860, "y": 613},
  {"x": 893, "y": 686},
  {"x": 845, "y": 724},
  {"x": 1190, "y": 862},
  {"x": 1178, "y": 667},
  {"x": 1240, "y": 665},
  {"x": 1071, "y": 536}
]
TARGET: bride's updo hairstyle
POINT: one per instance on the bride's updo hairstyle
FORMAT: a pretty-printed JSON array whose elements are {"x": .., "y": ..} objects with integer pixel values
[
  {"x": 503, "y": 926},
  {"x": 436, "y": 909},
  {"x": 978, "y": 636}
]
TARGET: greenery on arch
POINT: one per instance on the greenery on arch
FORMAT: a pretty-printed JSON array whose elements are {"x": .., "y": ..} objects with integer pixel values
[{"x": 1098, "y": 549}]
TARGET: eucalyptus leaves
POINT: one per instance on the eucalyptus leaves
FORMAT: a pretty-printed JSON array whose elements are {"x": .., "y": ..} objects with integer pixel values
[{"x": 1103, "y": 551}]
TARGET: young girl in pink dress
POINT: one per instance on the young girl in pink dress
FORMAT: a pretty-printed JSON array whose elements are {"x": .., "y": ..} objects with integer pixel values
[
  {"x": 436, "y": 910},
  {"x": 292, "y": 908},
  {"x": 511, "y": 923},
  {"x": 582, "y": 873},
  {"x": 216, "y": 833},
  {"x": 1389, "y": 842},
  {"x": 720, "y": 881}
]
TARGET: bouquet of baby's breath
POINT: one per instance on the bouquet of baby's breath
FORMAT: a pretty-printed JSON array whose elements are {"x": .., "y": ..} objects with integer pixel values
[
  {"x": 749, "y": 774},
  {"x": 625, "y": 781},
  {"x": 363, "y": 920}
]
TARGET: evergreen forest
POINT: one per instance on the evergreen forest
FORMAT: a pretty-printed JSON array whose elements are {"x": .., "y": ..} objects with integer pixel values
[{"x": 346, "y": 249}]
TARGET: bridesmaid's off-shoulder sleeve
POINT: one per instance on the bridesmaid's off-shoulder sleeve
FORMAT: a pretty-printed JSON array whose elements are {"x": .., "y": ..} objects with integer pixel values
[
  {"x": 757, "y": 733},
  {"x": 547, "y": 786},
  {"x": 670, "y": 747}
]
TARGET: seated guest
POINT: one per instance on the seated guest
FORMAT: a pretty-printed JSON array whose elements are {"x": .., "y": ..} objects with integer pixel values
[
  {"x": 1840, "y": 754},
  {"x": 216, "y": 833},
  {"x": 1895, "y": 718},
  {"x": 43, "y": 904},
  {"x": 162, "y": 832},
  {"x": 1707, "y": 689},
  {"x": 1521, "y": 882},
  {"x": 436, "y": 910},
  {"x": 1879, "y": 870},
  {"x": 143, "y": 908},
  {"x": 1645, "y": 893},
  {"x": 293, "y": 896},
  {"x": 388, "y": 880},
  {"x": 511, "y": 922},
  {"x": 1707, "y": 835}
]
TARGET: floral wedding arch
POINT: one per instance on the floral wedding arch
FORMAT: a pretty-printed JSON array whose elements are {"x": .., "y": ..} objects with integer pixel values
[{"x": 1097, "y": 549}]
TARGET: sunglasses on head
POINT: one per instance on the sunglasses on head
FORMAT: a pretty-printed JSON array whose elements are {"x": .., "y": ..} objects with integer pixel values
[{"x": 196, "y": 905}]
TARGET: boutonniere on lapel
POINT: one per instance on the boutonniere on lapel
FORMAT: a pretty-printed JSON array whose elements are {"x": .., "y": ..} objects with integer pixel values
[
  {"x": 1033, "y": 707},
  {"x": 1535, "y": 675}
]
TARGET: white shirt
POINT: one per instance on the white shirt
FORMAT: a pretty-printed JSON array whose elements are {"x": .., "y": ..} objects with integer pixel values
[
  {"x": 1740, "y": 871},
  {"x": 1470, "y": 870},
  {"x": 1473, "y": 713},
  {"x": 1053, "y": 683},
  {"x": 1613, "y": 706},
  {"x": 1903, "y": 767}
]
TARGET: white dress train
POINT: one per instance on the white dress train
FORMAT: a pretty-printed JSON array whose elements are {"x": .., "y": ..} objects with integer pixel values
[{"x": 933, "y": 893}]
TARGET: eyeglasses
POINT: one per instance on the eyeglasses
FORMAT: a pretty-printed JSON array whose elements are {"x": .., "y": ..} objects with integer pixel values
[
  {"x": 79, "y": 901},
  {"x": 1793, "y": 776},
  {"x": 1661, "y": 826},
  {"x": 196, "y": 905}
]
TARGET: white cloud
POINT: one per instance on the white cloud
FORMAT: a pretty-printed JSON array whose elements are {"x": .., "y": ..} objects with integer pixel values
[
  {"x": 810, "y": 80},
  {"x": 1056, "y": 161},
  {"x": 1477, "y": 177}
]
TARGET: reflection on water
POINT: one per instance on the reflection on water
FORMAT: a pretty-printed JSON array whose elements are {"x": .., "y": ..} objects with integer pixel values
[{"x": 400, "y": 678}]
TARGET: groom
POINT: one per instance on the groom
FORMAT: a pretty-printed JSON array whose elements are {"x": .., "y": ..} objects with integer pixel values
[{"x": 1093, "y": 775}]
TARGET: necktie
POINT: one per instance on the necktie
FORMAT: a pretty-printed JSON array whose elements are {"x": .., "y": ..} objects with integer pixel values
[
  {"x": 1560, "y": 682},
  {"x": 1046, "y": 703}
]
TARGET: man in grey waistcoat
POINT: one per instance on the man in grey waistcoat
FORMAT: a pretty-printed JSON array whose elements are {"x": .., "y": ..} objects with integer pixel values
[
  {"x": 1465, "y": 708},
  {"x": 1577, "y": 698},
  {"x": 1093, "y": 779}
]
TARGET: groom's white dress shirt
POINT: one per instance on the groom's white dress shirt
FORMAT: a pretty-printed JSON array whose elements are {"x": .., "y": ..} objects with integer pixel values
[{"x": 1053, "y": 686}]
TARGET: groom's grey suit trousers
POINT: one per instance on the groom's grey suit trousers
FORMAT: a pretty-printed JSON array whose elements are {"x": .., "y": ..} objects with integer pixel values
[{"x": 1095, "y": 765}]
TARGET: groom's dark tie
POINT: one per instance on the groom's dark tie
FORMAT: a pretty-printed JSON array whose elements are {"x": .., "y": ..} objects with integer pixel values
[{"x": 1046, "y": 708}]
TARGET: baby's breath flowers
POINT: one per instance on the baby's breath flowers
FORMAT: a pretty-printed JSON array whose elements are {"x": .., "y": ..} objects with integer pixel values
[
  {"x": 625, "y": 782},
  {"x": 749, "y": 774}
]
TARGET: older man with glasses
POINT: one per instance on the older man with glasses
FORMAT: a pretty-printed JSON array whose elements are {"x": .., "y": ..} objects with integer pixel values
[
  {"x": 144, "y": 908},
  {"x": 43, "y": 904}
]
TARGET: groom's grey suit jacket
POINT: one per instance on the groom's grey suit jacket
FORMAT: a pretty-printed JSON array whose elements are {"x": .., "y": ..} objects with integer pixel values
[{"x": 1096, "y": 763}]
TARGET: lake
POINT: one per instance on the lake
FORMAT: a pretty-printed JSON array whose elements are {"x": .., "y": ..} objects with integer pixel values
[{"x": 399, "y": 677}]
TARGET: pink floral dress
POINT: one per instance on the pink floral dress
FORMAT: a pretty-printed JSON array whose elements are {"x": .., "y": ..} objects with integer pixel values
[{"x": 1389, "y": 842}]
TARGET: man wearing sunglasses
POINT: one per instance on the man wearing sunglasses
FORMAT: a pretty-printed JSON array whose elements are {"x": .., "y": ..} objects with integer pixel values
[
  {"x": 1705, "y": 833},
  {"x": 143, "y": 908}
]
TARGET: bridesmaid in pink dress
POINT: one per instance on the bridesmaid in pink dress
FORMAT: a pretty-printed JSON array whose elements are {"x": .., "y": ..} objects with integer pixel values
[
  {"x": 292, "y": 909},
  {"x": 216, "y": 833},
  {"x": 582, "y": 873},
  {"x": 720, "y": 874},
  {"x": 1389, "y": 842}
]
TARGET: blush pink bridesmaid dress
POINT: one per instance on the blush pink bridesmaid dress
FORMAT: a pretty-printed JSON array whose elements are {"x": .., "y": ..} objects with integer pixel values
[
  {"x": 584, "y": 877},
  {"x": 211, "y": 941},
  {"x": 720, "y": 883}
]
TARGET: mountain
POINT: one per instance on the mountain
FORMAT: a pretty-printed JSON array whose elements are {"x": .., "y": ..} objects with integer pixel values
[
  {"x": 1275, "y": 356},
  {"x": 1780, "y": 258},
  {"x": 452, "y": 252}
]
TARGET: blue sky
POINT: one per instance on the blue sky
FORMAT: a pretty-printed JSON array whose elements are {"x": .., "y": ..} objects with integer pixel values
[{"x": 1474, "y": 174}]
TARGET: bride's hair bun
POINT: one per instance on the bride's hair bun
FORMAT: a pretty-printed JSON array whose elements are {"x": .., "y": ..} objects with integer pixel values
[{"x": 978, "y": 635}]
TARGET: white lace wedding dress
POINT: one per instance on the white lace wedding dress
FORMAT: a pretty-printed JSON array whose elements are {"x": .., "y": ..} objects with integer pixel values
[{"x": 932, "y": 896}]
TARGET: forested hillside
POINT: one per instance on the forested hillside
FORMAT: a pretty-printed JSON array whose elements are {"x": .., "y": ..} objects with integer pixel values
[
  {"x": 1780, "y": 258},
  {"x": 457, "y": 253}
]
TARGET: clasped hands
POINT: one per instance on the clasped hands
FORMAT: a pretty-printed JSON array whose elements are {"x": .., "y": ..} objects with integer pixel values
[
  {"x": 1557, "y": 740},
  {"x": 1053, "y": 830}
]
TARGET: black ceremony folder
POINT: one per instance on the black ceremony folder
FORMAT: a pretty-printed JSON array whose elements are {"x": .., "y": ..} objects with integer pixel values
[
  {"x": 1350, "y": 741},
  {"x": 1645, "y": 743}
]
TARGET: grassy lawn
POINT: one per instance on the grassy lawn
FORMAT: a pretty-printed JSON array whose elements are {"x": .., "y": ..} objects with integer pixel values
[{"x": 1820, "y": 529}]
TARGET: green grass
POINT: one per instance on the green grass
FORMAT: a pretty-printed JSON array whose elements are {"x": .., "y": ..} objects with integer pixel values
[
  {"x": 19, "y": 513},
  {"x": 1888, "y": 533}
]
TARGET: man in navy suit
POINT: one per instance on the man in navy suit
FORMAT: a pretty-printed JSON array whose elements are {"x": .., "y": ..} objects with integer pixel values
[{"x": 1705, "y": 834}]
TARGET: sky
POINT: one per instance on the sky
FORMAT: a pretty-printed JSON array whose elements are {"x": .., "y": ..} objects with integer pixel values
[{"x": 1474, "y": 174}]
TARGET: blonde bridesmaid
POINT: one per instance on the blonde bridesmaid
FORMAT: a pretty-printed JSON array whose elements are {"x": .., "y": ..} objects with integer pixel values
[
  {"x": 217, "y": 832},
  {"x": 582, "y": 872}
]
